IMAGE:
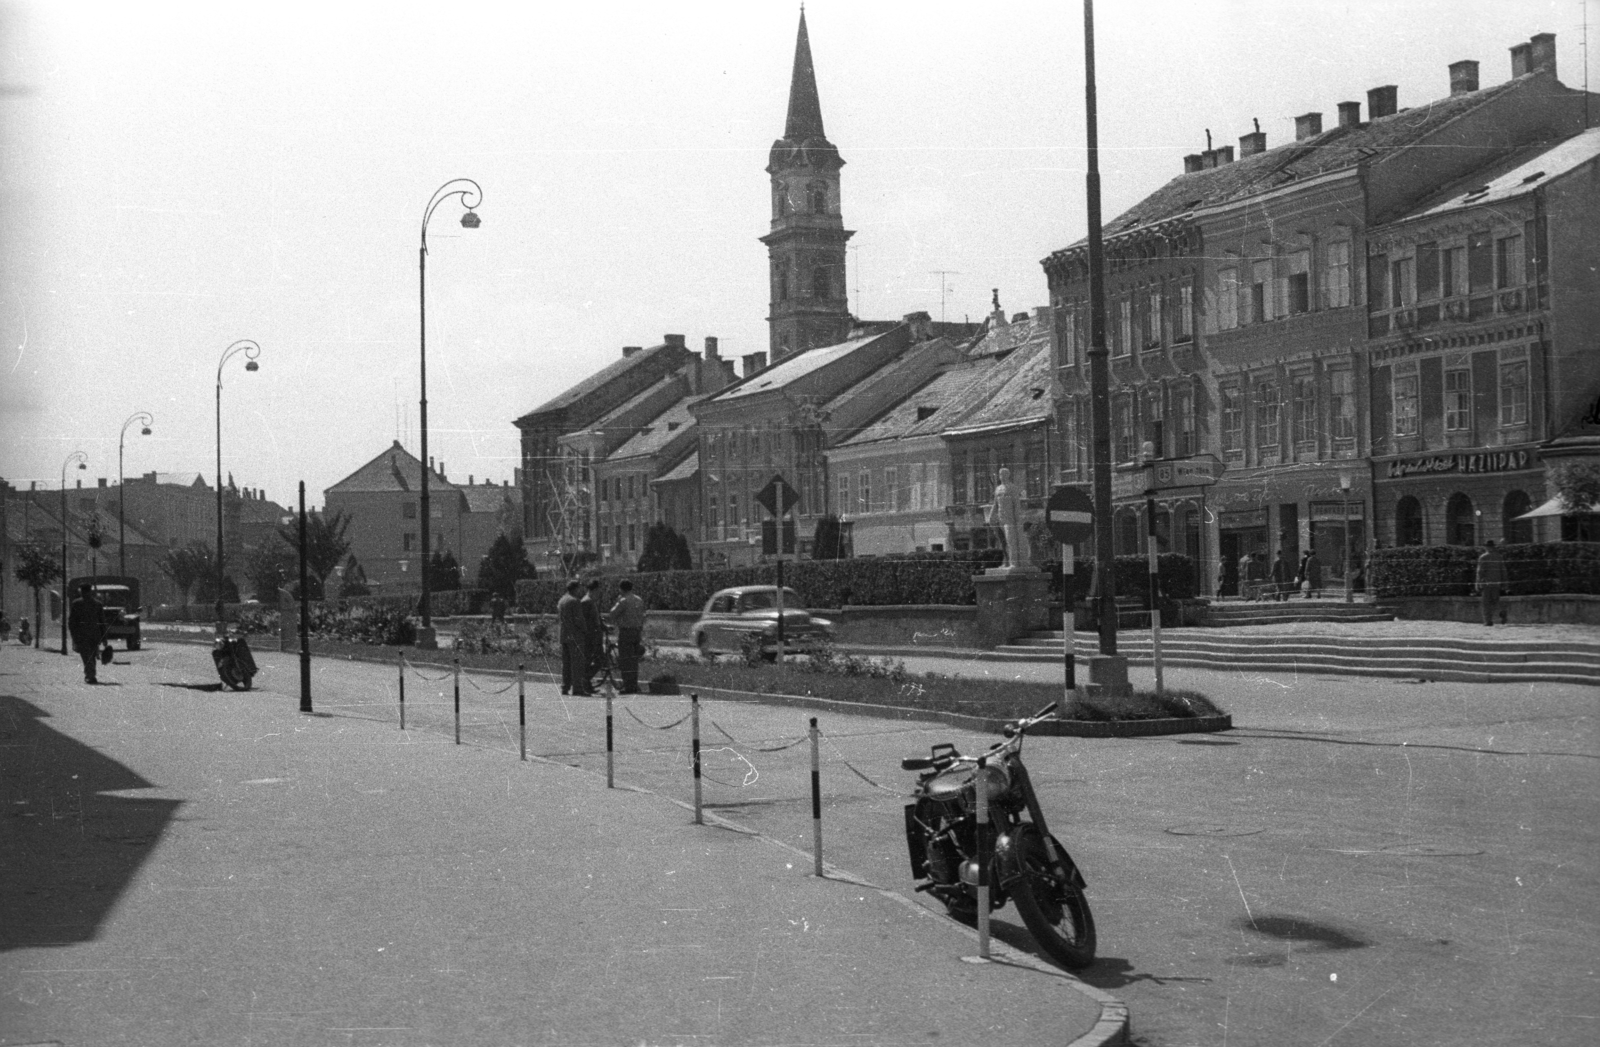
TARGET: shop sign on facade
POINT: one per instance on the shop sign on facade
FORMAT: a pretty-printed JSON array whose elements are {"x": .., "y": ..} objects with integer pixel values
[
  {"x": 1201, "y": 470},
  {"x": 1477, "y": 462}
]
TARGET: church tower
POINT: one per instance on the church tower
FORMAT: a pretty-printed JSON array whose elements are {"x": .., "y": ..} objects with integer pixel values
[{"x": 806, "y": 247}]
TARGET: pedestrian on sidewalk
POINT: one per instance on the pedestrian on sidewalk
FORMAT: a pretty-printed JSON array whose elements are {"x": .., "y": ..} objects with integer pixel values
[
  {"x": 5, "y": 627},
  {"x": 574, "y": 641},
  {"x": 1311, "y": 568},
  {"x": 1491, "y": 576},
  {"x": 627, "y": 615},
  {"x": 86, "y": 626},
  {"x": 594, "y": 626},
  {"x": 1281, "y": 578}
]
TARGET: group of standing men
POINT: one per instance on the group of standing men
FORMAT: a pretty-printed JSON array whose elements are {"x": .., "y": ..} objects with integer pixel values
[
  {"x": 583, "y": 636},
  {"x": 1279, "y": 582}
]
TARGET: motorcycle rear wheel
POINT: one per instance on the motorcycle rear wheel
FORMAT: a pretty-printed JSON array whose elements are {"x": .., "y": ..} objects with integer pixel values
[
  {"x": 1056, "y": 912},
  {"x": 230, "y": 678}
]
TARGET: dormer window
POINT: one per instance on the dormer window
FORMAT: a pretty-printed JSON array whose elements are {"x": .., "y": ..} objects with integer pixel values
[{"x": 924, "y": 413}]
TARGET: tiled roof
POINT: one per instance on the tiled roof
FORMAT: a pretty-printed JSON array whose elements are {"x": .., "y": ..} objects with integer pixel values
[
  {"x": 959, "y": 394},
  {"x": 1023, "y": 396},
  {"x": 631, "y": 405},
  {"x": 601, "y": 378},
  {"x": 490, "y": 498},
  {"x": 1332, "y": 150},
  {"x": 667, "y": 426},
  {"x": 682, "y": 471},
  {"x": 1522, "y": 173},
  {"x": 795, "y": 367},
  {"x": 395, "y": 469}
]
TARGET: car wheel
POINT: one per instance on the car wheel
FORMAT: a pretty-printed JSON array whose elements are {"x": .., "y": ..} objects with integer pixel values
[{"x": 704, "y": 643}]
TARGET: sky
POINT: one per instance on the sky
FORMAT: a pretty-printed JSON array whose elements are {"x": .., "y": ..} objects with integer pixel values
[{"x": 175, "y": 177}]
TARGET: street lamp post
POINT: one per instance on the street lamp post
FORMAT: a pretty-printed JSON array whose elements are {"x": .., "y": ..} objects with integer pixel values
[
  {"x": 471, "y": 196},
  {"x": 145, "y": 421},
  {"x": 250, "y": 350},
  {"x": 83, "y": 463},
  {"x": 1345, "y": 482}
]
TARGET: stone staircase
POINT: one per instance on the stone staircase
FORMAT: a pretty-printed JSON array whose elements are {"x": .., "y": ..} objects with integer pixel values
[
  {"x": 1396, "y": 657},
  {"x": 1230, "y": 613}
]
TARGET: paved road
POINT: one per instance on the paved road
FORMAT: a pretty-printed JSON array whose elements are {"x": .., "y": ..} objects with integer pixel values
[
  {"x": 1359, "y": 862},
  {"x": 179, "y": 865}
]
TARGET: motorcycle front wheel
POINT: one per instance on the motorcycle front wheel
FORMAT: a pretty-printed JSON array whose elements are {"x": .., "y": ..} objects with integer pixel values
[{"x": 1056, "y": 911}]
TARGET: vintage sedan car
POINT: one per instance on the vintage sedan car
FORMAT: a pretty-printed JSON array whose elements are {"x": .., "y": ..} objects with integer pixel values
[{"x": 750, "y": 612}]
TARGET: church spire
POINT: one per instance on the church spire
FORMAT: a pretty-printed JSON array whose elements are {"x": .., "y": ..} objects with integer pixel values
[{"x": 805, "y": 108}]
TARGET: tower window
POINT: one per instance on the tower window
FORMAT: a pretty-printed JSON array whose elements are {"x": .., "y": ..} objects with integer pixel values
[
  {"x": 780, "y": 199},
  {"x": 819, "y": 199},
  {"x": 782, "y": 282},
  {"x": 819, "y": 282}
]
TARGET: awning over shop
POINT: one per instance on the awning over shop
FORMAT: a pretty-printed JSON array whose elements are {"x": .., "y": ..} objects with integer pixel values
[{"x": 1557, "y": 507}]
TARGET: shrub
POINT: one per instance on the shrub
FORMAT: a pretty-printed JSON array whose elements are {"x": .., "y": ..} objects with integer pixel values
[
  {"x": 451, "y": 602},
  {"x": 1451, "y": 570}
]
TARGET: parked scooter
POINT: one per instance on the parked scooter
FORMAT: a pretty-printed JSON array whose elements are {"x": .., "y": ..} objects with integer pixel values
[
  {"x": 235, "y": 664},
  {"x": 1024, "y": 861}
]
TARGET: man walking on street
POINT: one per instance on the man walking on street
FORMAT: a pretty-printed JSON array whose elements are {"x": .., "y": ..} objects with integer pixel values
[
  {"x": 627, "y": 614},
  {"x": 574, "y": 642},
  {"x": 1281, "y": 580},
  {"x": 1491, "y": 576},
  {"x": 85, "y": 624}
]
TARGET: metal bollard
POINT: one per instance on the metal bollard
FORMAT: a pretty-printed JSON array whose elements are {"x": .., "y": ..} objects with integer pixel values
[
  {"x": 458, "y": 700},
  {"x": 816, "y": 800},
  {"x": 522, "y": 714},
  {"x": 402, "y": 655},
  {"x": 694, "y": 727},
  {"x": 611, "y": 773}
]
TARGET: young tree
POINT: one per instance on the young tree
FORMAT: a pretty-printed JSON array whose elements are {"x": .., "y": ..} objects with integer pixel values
[
  {"x": 505, "y": 562},
  {"x": 186, "y": 566},
  {"x": 270, "y": 568},
  {"x": 354, "y": 582},
  {"x": 443, "y": 572},
  {"x": 36, "y": 568},
  {"x": 1578, "y": 484},
  {"x": 664, "y": 550},
  {"x": 326, "y": 545}
]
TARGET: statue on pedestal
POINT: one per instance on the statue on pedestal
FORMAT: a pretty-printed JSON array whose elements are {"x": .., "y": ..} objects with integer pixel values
[{"x": 1006, "y": 513}]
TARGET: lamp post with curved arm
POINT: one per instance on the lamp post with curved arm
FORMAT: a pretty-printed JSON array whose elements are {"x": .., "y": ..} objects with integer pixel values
[
  {"x": 471, "y": 196},
  {"x": 145, "y": 421},
  {"x": 250, "y": 350},
  {"x": 83, "y": 463}
]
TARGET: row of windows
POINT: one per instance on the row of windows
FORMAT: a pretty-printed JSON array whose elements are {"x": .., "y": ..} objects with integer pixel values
[
  {"x": 821, "y": 282},
  {"x": 1461, "y": 520},
  {"x": 1150, "y": 318},
  {"x": 1263, "y": 401},
  {"x": 889, "y": 489},
  {"x": 1458, "y": 418},
  {"x": 815, "y": 197},
  {"x": 622, "y": 488},
  {"x": 1269, "y": 289},
  {"x": 1477, "y": 264},
  {"x": 620, "y": 532}
]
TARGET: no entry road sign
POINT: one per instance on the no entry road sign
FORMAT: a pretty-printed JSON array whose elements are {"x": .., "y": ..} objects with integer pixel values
[{"x": 1070, "y": 515}]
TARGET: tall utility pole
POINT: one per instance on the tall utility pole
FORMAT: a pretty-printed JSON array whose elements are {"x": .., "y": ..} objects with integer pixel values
[{"x": 1109, "y": 670}]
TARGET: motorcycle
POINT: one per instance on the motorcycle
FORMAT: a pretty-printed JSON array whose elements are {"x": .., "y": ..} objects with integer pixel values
[
  {"x": 235, "y": 664},
  {"x": 1024, "y": 862}
]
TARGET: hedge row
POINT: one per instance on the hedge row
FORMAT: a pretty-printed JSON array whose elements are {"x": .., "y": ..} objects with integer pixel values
[
  {"x": 918, "y": 579},
  {"x": 1451, "y": 570}
]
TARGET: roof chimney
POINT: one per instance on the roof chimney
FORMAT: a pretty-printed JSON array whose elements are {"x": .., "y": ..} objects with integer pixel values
[
  {"x": 102, "y": 481},
  {"x": 629, "y": 350},
  {"x": 1208, "y": 159},
  {"x": 711, "y": 348},
  {"x": 1307, "y": 126},
  {"x": 1463, "y": 77},
  {"x": 1521, "y": 60},
  {"x": 673, "y": 339},
  {"x": 1224, "y": 155},
  {"x": 1192, "y": 163},
  {"x": 753, "y": 362},
  {"x": 1254, "y": 142},
  {"x": 1544, "y": 53},
  {"x": 1349, "y": 114},
  {"x": 1382, "y": 101}
]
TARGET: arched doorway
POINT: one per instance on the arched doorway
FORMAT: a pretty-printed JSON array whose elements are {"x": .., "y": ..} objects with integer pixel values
[
  {"x": 1460, "y": 523},
  {"x": 1408, "y": 521},
  {"x": 1515, "y": 531}
]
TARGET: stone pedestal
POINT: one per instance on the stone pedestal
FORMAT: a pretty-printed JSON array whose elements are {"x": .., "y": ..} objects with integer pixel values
[
  {"x": 1108, "y": 675},
  {"x": 1012, "y": 602},
  {"x": 427, "y": 639}
]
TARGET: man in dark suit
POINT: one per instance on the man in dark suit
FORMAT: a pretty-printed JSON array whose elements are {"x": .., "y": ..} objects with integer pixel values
[
  {"x": 574, "y": 641},
  {"x": 86, "y": 626}
]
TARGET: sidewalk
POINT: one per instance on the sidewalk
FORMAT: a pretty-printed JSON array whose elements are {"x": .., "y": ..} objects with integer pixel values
[{"x": 181, "y": 864}]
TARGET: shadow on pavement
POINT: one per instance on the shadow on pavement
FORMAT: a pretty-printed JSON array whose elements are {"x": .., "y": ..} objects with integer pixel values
[
  {"x": 1111, "y": 972},
  {"x": 66, "y": 852},
  {"x": 210, "y": 688}
]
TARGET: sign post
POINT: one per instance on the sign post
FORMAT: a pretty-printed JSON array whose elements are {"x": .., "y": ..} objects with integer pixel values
[
  {"x": 777, "y": 535},
  {"x": 1069, "y": 513}
]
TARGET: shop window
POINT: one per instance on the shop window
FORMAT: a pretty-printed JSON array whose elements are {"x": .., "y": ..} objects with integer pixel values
[
  {"x": 1460, "y": 523},
  {"x": 1515, "y": 531},
  {"x": 1408, "y": 521}
]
